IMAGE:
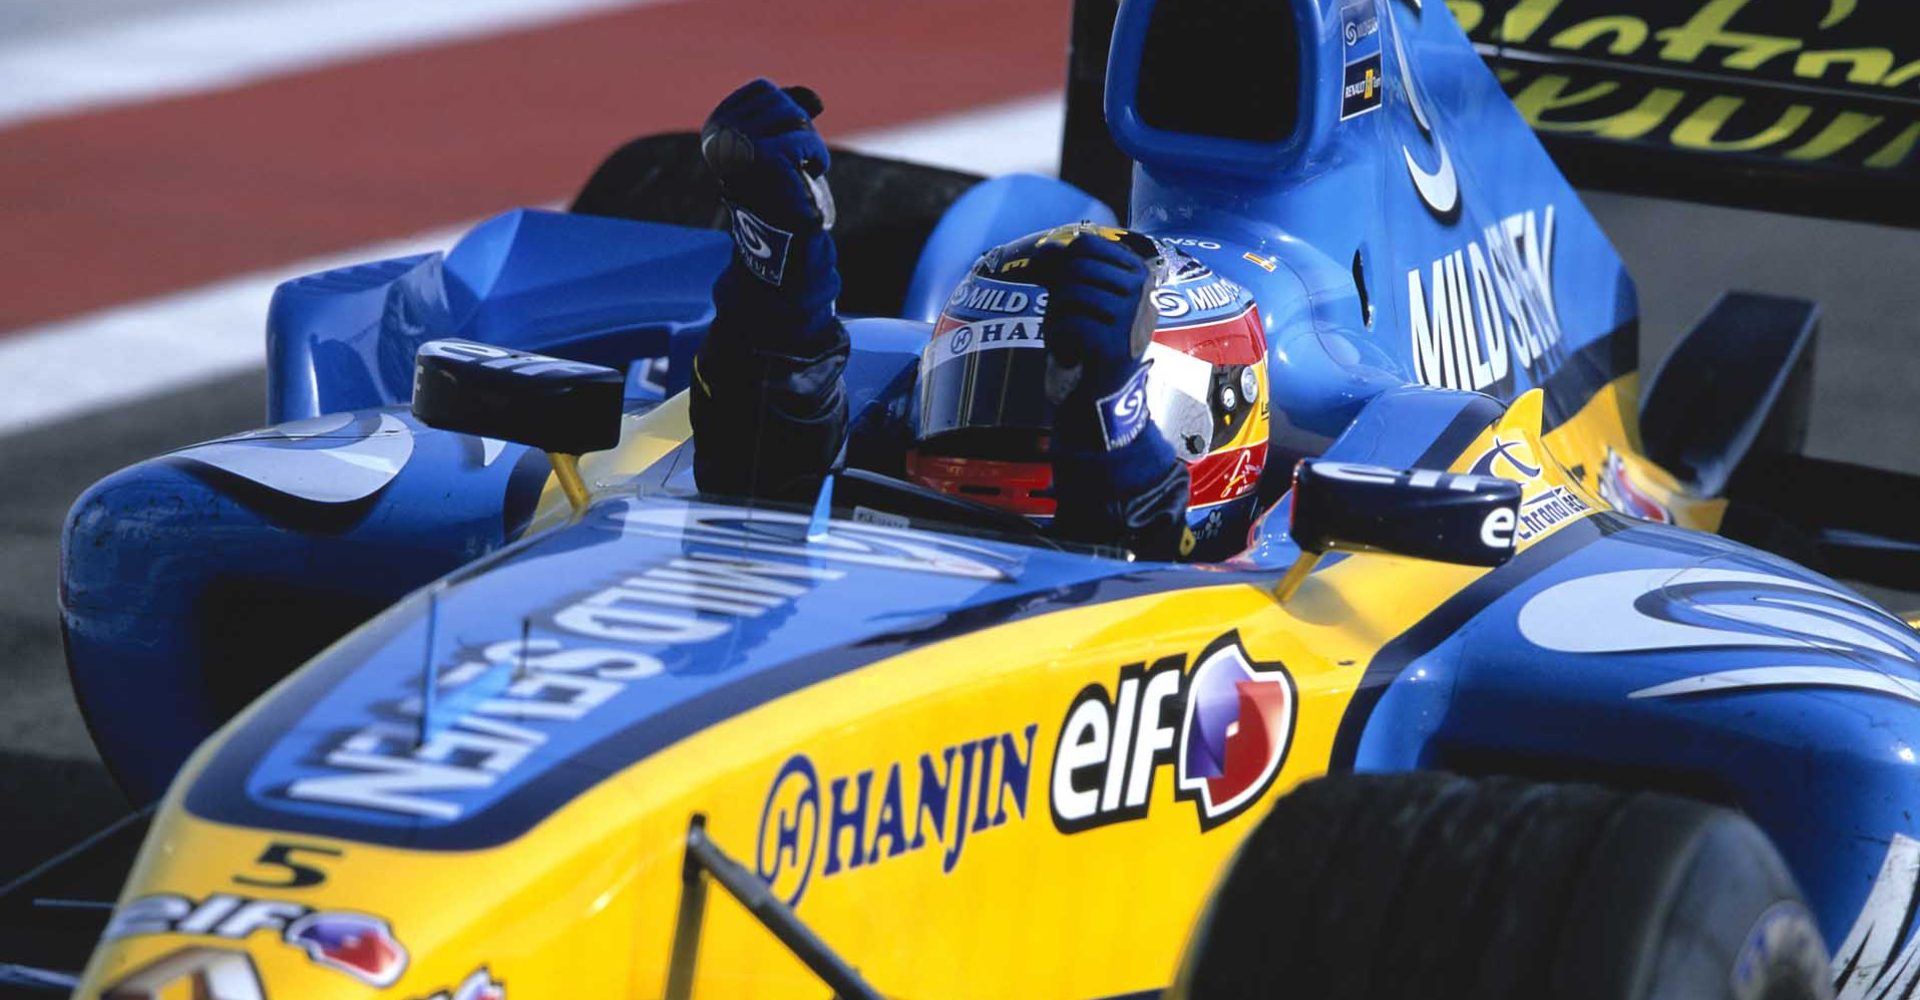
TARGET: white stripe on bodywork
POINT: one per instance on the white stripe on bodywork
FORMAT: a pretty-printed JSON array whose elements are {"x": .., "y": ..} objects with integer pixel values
[
  {"x": 350, "y": 466},
  {"x": 1753, "y": 678},
  {"x": 1868, "y": 955},
  {"x": 1601, "y": 614}
]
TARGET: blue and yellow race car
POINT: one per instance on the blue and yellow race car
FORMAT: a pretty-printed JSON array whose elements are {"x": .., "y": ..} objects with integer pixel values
[{"x": 1529, "y": 682}]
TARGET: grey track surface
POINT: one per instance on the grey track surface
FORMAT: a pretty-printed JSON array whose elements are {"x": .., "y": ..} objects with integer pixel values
[{"x": 53, "y": 789}]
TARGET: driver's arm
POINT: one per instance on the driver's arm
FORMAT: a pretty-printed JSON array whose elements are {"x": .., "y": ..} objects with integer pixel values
[
  {"x": 1116, "y": 481},
  {"x": 769, "y": 407}
]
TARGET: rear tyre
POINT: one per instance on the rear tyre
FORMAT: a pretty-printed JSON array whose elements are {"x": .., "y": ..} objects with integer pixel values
[{"x": 1435, "y": 886}]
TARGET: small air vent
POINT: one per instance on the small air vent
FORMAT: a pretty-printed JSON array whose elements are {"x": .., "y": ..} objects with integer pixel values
[{"x": 1228, "y": 69}]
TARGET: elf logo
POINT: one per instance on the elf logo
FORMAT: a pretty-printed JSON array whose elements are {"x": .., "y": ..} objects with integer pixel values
[{"x": 1225, "y": 726}]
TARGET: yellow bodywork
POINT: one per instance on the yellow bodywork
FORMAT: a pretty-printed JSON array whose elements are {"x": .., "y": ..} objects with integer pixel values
[{"x": 987, "y": 900}]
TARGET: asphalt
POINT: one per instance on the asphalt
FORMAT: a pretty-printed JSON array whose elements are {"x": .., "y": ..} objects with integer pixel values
[{"x": 53, "y": 789}]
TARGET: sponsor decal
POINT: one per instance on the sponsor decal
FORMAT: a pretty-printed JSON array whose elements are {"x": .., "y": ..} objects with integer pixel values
[
  {"x": 1224, "y": 726},
  {"x": 1362, "y": 88},
  {"x": 1360, "y": 38},
  {"x": 1123, "y": 413},
  {"x": 479, "y": 985},
  {"x": 1266, "y": 263},
  {"x": 763, "y": 246},
  {"x": 206, "y": 974},
  {"x": 1541, "y": 514},
  {"x": 986, "y": 335},
  {"x": 845, "y": 543},
  {"x": 885, "y": 519},
  {"x": 1198, "y": 299},
  {"x": 1483, "y": 313},
  {"x": 1359, "y": 22},
  {"x": 982, "y": 296},
  {"x": 501, "y": 701},
  {"x": 1621, "y": 493},
  {"x": 498, "y": 703},
  {"x": 1508, "y": 460},
  {"x": 1188, "y": 241},
  {"x": 939, "y": 799},
  {"x": 1438, "y": 188},
  {"x": 1542, "y": 511},
  {"x": 503, "y": 359},
  {"x": 358, "y": 944}
]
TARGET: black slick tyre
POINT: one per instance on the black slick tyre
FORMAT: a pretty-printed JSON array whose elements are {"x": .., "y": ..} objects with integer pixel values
[{"x": 1369, "y": 887}]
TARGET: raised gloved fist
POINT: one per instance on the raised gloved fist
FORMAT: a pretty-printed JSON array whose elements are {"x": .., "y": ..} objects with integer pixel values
[
  {"x": 772, "y": 166},
  {"x": 1099, "y": 321}
]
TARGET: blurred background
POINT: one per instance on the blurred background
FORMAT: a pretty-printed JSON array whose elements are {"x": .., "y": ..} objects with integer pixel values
[{"x": 165, "y": 163}]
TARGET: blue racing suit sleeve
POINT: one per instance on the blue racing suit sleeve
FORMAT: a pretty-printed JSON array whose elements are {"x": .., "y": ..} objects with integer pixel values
[
  {"x": 768, "y": 400},
  {"x": 1116, "y": 481}
]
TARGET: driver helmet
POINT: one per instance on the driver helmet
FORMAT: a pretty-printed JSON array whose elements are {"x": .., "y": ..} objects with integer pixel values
[{"x": 983, "y": 412}]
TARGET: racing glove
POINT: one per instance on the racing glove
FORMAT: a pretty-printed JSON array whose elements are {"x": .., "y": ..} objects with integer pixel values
[
  {"x": 769, "y": 406},
  {"x": 1115, "y": 479}
]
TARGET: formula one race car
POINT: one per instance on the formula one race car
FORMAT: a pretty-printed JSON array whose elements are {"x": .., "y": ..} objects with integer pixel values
[{"x": 1514, "y": 692}]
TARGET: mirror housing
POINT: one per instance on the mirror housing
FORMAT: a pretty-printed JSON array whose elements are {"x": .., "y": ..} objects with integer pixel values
[
  {"x": 564, "y": 408},
  {"x": 1420, "y": 513},
  {"x": 560, "y": 407}
]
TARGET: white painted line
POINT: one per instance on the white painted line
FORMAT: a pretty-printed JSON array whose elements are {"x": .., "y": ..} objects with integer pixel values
[
  {"x": 199, "y": 48},
  {"x": 127, "y": 353},
  {"x": 1008, "y": 138}
]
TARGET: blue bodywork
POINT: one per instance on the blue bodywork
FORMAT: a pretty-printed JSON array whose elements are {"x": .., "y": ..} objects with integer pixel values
[{"x": 1416, "y": 262}]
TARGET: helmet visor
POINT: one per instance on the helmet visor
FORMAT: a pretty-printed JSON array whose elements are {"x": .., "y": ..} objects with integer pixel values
[{"x": 985, "y": 375}]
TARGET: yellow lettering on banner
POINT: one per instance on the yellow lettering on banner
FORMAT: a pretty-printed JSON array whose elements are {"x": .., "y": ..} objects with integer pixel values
[
  {"x": 1525, "y": 18},
  {"x": 1699, "y": 129},
  {"x": 1863, "y": 65},
  {"x": 1839, "y": 11},
  {"x": 1548, "y": 96},
  {"x": 1895, "y": 153},
  {"x": 1468, "y": 12},
  {"x": 1707, "y": 28},
  {"x": 1843, "y": 131},
  {"x": 1629, "y": 33},
  {"x": 1902, "y": 75}
]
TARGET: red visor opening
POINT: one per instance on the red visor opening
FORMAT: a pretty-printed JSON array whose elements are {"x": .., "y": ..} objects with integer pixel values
[{"x": 1021, "y": 487}]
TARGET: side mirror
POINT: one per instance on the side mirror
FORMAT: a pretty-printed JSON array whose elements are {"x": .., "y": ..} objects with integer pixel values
[
  {"x": 1421, "y": 513},
  {"x": 564, "y": 408}
]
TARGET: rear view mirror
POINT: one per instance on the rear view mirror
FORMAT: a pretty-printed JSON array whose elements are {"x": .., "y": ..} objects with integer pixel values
[
  {"x": 1420, "y": 513},
  {"x": 564, "y": 408}
]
